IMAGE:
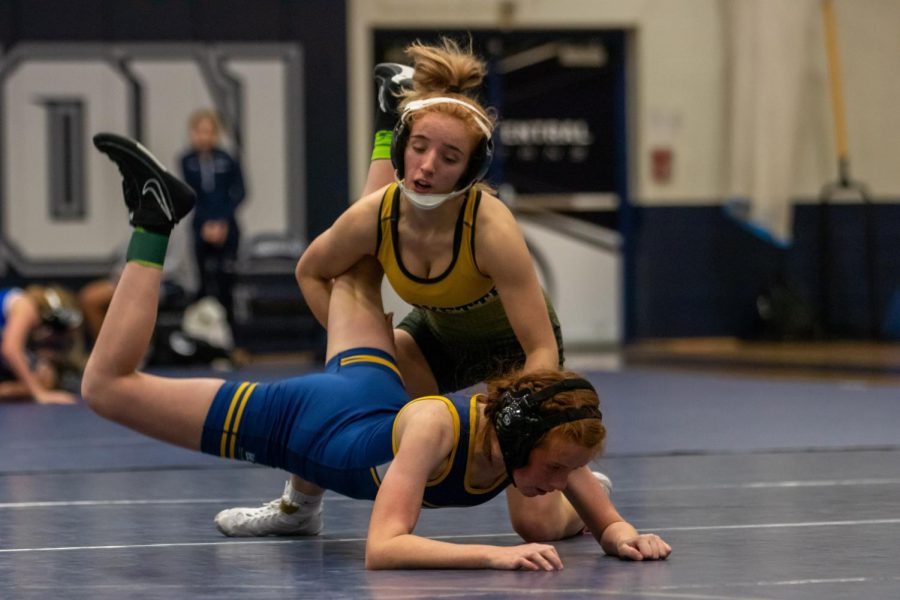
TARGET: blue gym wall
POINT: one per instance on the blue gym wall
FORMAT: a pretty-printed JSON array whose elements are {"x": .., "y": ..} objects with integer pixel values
[{"x": 698, "y": 273}]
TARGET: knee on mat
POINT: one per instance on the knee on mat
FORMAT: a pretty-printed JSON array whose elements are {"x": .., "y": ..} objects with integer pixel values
[
  {"x": 98, "y": 391},
  {"x": 535, "y": 531}
]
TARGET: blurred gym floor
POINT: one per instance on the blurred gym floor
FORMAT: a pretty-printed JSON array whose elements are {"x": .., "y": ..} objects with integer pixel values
[
  {"x": 823, "y": 360},
  {"x": 766, "y": 486}
]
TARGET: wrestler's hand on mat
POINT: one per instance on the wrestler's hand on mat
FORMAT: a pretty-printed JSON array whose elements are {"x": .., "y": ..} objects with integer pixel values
[
  {"x": 527, "y": 557},
  {"x": 54, "y": 397},
  {"x": 648, "y": 546}
]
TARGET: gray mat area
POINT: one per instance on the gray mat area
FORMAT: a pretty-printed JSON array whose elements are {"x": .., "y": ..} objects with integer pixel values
[
  {"x": 652, "y": 411},
  {"x": 646, "y": 411},
  {"x": 103, "y": 513},
  {"x": 72, "y": 438}
]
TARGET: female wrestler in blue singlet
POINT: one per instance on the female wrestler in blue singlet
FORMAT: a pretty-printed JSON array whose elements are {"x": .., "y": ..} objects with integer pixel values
[
  {"x": 341, "y": 428},
  {"x": 48, "y": 312}
]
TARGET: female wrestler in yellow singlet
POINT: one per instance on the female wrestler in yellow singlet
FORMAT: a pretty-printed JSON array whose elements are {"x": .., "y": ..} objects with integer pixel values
[{"x": 448, "y": 247}]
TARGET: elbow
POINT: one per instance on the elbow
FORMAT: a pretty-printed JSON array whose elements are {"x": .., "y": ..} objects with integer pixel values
[
  {"x": 375, "y": 559},
  {"x": 8, "y": 351},
  {"x": 90, "y": 386},
  {"x": 298, "y": 275},
  {"x": 305, "y": 261},
  {"x": 302, "y": 268},
  {"x": 97, "y": 391},
  {"x": 307, "y": 275}
]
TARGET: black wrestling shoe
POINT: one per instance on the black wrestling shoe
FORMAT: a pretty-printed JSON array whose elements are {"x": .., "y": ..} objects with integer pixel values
[
  {"x": 391, "y": 79},
  {"x": 156, "y": 199}
]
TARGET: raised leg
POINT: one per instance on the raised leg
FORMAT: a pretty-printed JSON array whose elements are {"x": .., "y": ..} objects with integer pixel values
[
  {"x": 355, "y": 319},
  {"x": 355, "y": 312},
  {"x": 172, "y": 410},
  {"x": 417, "y": 375},
  {"x": 391, "y": 79}
]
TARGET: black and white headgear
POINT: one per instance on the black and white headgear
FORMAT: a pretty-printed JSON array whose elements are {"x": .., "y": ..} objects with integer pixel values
[
  {"x": 479, "y": 162},
  {"x": 521, "y": 421},
  {"x": 58, "y": 309}
]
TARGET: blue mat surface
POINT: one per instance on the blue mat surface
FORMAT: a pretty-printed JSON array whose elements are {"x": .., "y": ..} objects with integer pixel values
[{"x": 90, "y": 510}]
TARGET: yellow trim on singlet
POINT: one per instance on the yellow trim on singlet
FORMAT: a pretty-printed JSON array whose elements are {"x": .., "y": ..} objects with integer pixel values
[
  {"x": 473, "y": 416},
  {"x": 229, "y": 428},
  {"x": 460, "y": 287},
  {"x": 454, "y": 415},
  {"x": 237, "y": 419},
  {"x": 370, "y": 358},
  {"x": 225, "y": 426}
]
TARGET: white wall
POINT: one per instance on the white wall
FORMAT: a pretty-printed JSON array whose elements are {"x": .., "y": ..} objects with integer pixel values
[
  {"x": 174, "y": 80},
  {"x": 679, "y": 80}
]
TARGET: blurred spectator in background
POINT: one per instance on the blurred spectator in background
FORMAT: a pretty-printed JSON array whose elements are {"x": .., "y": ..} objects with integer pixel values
[
  {"x": 187, "y": 333},
  {"x": 219, "y": 184},
  {"x": 179, "y": 284},
  {"x": 40, "y": 329}
]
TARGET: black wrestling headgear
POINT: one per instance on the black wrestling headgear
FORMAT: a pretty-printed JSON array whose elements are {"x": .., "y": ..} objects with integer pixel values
[
  {"x": 521, "y": 422},
  {"x": 479, "y": 162},
  {"x": 58, "y": 307}
]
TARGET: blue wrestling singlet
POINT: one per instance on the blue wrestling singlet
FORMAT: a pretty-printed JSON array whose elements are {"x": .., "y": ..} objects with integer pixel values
[
  {"x": 329, "y": 428},
  {"x": 7, "y": 295},
  {"x": 335, "y": 428},
  {"x": 454, "y": 487}
]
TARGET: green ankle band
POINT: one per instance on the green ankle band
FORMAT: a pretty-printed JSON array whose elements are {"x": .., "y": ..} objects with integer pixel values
[
  {"x": 382, "y": 148},
  {"x": 147, "y": 248}
]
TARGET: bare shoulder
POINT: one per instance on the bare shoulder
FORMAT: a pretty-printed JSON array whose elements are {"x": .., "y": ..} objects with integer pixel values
[
  {"x": 495, "y": 218},
  {"x": 497, "y": 234},
  {"x": 429, "y": 420},
  {"x": 23, "y": 306},
  {"x": 366, "y": 208},
  {"x": 357, "y": 226},
  {"x": 429, "y": 408},
  {"x": 493, "y": 209}
]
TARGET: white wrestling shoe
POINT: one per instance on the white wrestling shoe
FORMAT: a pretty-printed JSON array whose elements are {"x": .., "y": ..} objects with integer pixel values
[
  {"x": 278, "y": 517},
  {"x": 605, "y": 481}
]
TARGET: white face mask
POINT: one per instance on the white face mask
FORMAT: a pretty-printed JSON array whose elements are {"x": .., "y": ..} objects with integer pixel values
[{"x": 428, "y": 201}]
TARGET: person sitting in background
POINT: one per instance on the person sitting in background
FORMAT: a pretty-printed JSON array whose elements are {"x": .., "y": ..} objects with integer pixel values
[
  {"x": 193, "y": 333},
  {"x": 48, "y": 314},
  {"x": 178, "y": 287},
  {"x": 217, "y": 179}
]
